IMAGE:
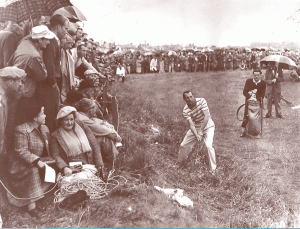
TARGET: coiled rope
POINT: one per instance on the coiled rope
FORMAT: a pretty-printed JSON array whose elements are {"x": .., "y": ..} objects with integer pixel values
[
  {"x": 94, "y": 187},
  {"x": 30, "y": 198}
]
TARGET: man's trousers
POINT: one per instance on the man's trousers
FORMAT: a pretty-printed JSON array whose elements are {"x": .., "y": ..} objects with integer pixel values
[
  {"x": 276, "y": 97},
  {"x": 189, "y": 142}
]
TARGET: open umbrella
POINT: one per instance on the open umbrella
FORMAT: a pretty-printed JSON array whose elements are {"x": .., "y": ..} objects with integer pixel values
[
  {"x": 136, "y": 52},
  {"x": 172, "y": 53},
  {"x": 280, "y": 61},
  {"x": 188, "y": 50},
  {"x": 148, "y": 54},
  {"x": 118, "y": 52},
  {"x": 71, "y": 12},
  {"x": 21, "y": 10},
  {"x": 255, "y": 49},
  {"x": 207, "y": 50},
  {"x": 272, "y": 49},
  {"x": 247, "y": 49},
  {"x": 264, "y": 48}
]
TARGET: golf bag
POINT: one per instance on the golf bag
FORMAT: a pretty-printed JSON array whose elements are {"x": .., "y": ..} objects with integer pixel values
[{"x": 254, "y": 117}]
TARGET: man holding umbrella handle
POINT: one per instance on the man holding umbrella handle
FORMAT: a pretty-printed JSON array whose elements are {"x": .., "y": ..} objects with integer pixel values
[{"x": 273, "y": 89}]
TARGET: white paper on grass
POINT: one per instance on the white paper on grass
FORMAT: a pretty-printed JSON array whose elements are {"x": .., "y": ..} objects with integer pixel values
[
  {"x": 75, "y": 163},
  {"x": 50, "y": 174}
]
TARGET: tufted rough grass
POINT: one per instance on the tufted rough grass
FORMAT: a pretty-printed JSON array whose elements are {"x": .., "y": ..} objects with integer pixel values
[{"x": 257, "y": 180}]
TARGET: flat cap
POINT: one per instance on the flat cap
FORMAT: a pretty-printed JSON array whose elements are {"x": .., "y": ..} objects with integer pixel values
[
  {"x": 65, "y": 111},
  {"x": 12, "y": 73}
]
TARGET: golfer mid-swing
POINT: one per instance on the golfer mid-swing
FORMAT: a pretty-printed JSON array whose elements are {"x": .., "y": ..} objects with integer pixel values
[{"x": 201, "y": 126}]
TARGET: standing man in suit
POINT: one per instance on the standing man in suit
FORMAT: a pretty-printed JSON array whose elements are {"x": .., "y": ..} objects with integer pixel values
[
  {"x": 47, "y": 91},
  {"x": 273, "y": 89},
  {"x": 254, "y": 89}
]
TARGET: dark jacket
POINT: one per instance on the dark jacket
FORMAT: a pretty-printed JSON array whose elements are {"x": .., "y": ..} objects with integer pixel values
[
  {"x": 51, "y": 56},
  {"x": 250, "y": 85},
  {"x": 58, "y": 148},
  {"x": 268, "y": 79},
  {"x": 8, "y": 44},
  {"x": 28, "y": 58}
]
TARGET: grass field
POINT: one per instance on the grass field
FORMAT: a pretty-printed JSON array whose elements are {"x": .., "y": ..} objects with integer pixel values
[{"x": 257, "y": 183}]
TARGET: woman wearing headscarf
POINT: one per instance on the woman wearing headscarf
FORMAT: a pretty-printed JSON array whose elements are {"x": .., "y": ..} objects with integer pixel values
[
  {"x": 28, "y": 57},
  {"x": 26, "y": 170},
  {"x": 73, "y": 141}
]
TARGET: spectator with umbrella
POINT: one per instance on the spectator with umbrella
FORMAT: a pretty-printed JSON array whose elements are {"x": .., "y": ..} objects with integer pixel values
[
  {"x": 273, "y": 78},
  {"x": 273, "y": 89}
]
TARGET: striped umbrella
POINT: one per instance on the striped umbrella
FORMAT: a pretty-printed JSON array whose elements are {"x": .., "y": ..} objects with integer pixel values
[
  {"x": 21, "y": 10},
  {"x": 280, "y": 61}
]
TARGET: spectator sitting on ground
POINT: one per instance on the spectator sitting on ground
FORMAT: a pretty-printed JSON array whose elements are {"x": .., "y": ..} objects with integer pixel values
[
  {"x": 95, "y": 76},
  {"x": 88, "y": 88},
  {"x": 25, "y": 171},
  {"x": 90, "y": 91},
  {"x": 73, "y": 97},
  {"x": 103, "y": 131},
  {"x": 73, "y": 141}
]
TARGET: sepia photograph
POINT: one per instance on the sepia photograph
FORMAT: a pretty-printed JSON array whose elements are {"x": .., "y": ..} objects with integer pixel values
[{"x": 149, "y": 113}]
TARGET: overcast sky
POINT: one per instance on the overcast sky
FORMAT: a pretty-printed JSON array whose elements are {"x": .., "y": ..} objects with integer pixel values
[{"x": 202, "y": 22}]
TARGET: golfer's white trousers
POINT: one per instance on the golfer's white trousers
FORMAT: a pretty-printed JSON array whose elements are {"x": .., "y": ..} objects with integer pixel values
[{"x": 189, "y": 142}]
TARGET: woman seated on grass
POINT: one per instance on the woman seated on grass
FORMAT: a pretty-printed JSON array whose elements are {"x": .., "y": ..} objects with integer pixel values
[
  {"x": 73, "y": 141},
  {"x": 26, "y": 171}
]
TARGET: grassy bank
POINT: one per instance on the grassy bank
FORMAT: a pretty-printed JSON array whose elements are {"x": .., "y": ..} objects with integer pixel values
[{"x": 257, "y": 180}]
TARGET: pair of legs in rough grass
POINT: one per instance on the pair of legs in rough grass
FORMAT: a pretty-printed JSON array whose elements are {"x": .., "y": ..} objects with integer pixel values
[
  {"x": 276, "y": 97},
  {"x": 189, "y": 142}
]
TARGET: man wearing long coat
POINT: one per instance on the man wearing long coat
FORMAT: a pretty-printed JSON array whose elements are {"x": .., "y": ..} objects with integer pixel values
[{"x": 273, "y": 90}]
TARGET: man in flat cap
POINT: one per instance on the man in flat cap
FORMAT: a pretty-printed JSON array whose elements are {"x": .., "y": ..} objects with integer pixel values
[
  {"x": 11, "y": 87},
  {"x": 103, "y": 131}
]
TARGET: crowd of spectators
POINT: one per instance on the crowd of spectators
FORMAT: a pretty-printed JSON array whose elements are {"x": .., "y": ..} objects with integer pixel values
[{"x": 52, "y": 104}]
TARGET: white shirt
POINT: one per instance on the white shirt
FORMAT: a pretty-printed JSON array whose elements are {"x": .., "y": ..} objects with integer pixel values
[{"x": 120, "y": 71}]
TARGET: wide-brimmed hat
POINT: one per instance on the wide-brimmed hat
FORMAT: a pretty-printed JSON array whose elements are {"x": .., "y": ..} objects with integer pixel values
[
  {"x": 65, "y": 111},
  {"x": 12, "y": 73},
  {"x": 42, "y": 31}
]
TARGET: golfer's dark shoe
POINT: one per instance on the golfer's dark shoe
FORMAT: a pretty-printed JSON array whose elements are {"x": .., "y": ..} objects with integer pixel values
[
  {"x": 279, "y": 116},
  {"x": 34, "y": 213},
  {"x": 268, "y": 116},
  {"x": 75, "y": 198}
]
